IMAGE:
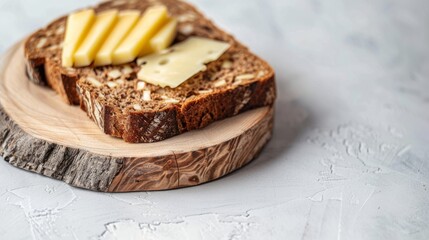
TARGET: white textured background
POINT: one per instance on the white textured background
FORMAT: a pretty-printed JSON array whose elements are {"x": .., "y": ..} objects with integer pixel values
[{"x": 350, "y": 154}]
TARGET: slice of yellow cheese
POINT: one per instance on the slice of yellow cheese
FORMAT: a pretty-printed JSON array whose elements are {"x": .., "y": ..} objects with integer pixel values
[
  {"x": 102, "y": 26},
  {"x": 162, "y": 39},
  {"x": 151, "y": 21},
  {"x": 126, "y": 21},
  {"x": 78, "y": 25},
  {"x": 180, "y": 62}
]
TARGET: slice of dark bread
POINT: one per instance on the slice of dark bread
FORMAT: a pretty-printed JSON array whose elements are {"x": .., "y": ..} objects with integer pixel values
[{"x": 118, "y": 102}]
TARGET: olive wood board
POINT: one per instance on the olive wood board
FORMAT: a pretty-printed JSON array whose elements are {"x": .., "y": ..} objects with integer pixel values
[{"x": 42, "y": 134}]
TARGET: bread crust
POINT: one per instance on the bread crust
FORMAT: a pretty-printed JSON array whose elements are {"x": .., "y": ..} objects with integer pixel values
[{"x": 43, "y": 67}]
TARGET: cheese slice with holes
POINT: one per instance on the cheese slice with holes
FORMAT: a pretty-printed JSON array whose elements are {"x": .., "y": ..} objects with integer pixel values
[
  {"x": 162, "y": 39},
  {"x": 180, "y": 62},
  {"x": 126, "y": 21},
  {"x": 151, "y": 21},
  {"x": 78, "y": 25},
  {"x": 98, "y": 33}
]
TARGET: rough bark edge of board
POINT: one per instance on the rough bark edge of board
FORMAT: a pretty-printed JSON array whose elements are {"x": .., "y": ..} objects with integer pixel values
[
  {"x": 83, "y": 169},
  {"x": 76, "y": 167}
]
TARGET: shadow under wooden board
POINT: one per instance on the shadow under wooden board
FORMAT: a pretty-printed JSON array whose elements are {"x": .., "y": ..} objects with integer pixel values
[{"x": 40, "y": 133}]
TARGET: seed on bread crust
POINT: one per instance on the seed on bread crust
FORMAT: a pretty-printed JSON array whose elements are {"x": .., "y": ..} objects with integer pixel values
[
  {"x": 53, "y": 47},
  {"x": 205, "y": 91},
  {"x": 70, "y": 70},
  {"x": 146, "y": 95},
  {"x": 41, "y": 43},
  {"x": 120, "y": 81},
  {"x": 137, "y": 107},
  {"x": 171, "y": 100},
  {"x": 140, "y": 86},
  {"x": 93, "y": 81},
  {"x": 127, "y": 70},
  {"x": 60, "y": 30},
  {"x": 220, "y": 83},
  {"x": 261, "y": 74},
  {"x": 187, "y": 17},
  {"x": 235, "y": 83},
  {"x": 114, "y": 74},
  {"x": 227, "y": 64},
  {"x": 112, "y": 84},
  {"x": 244, "y": 77},
  {"x": 186, "y": 29}
]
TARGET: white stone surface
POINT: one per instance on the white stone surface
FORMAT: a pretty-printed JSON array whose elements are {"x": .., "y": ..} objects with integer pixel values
[{"x": 349, "y": 158}]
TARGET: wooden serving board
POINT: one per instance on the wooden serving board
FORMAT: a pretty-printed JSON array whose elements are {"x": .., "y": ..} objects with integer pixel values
[{"x": 40, "y": 133}]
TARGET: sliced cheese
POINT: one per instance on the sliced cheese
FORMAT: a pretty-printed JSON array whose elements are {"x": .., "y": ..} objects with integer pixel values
[
  {"x": 78, "y": 25},
  {"x": 151, "y": 21},
  {"x": 126, "y": 21},
  {"x": 162, "y": 39},
  {"x": 99, "y": 31},
  {"x": 177, "y": 64}
]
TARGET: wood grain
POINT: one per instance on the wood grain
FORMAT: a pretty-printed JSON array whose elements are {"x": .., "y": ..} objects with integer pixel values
[{"x": 40, "y": 133}]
